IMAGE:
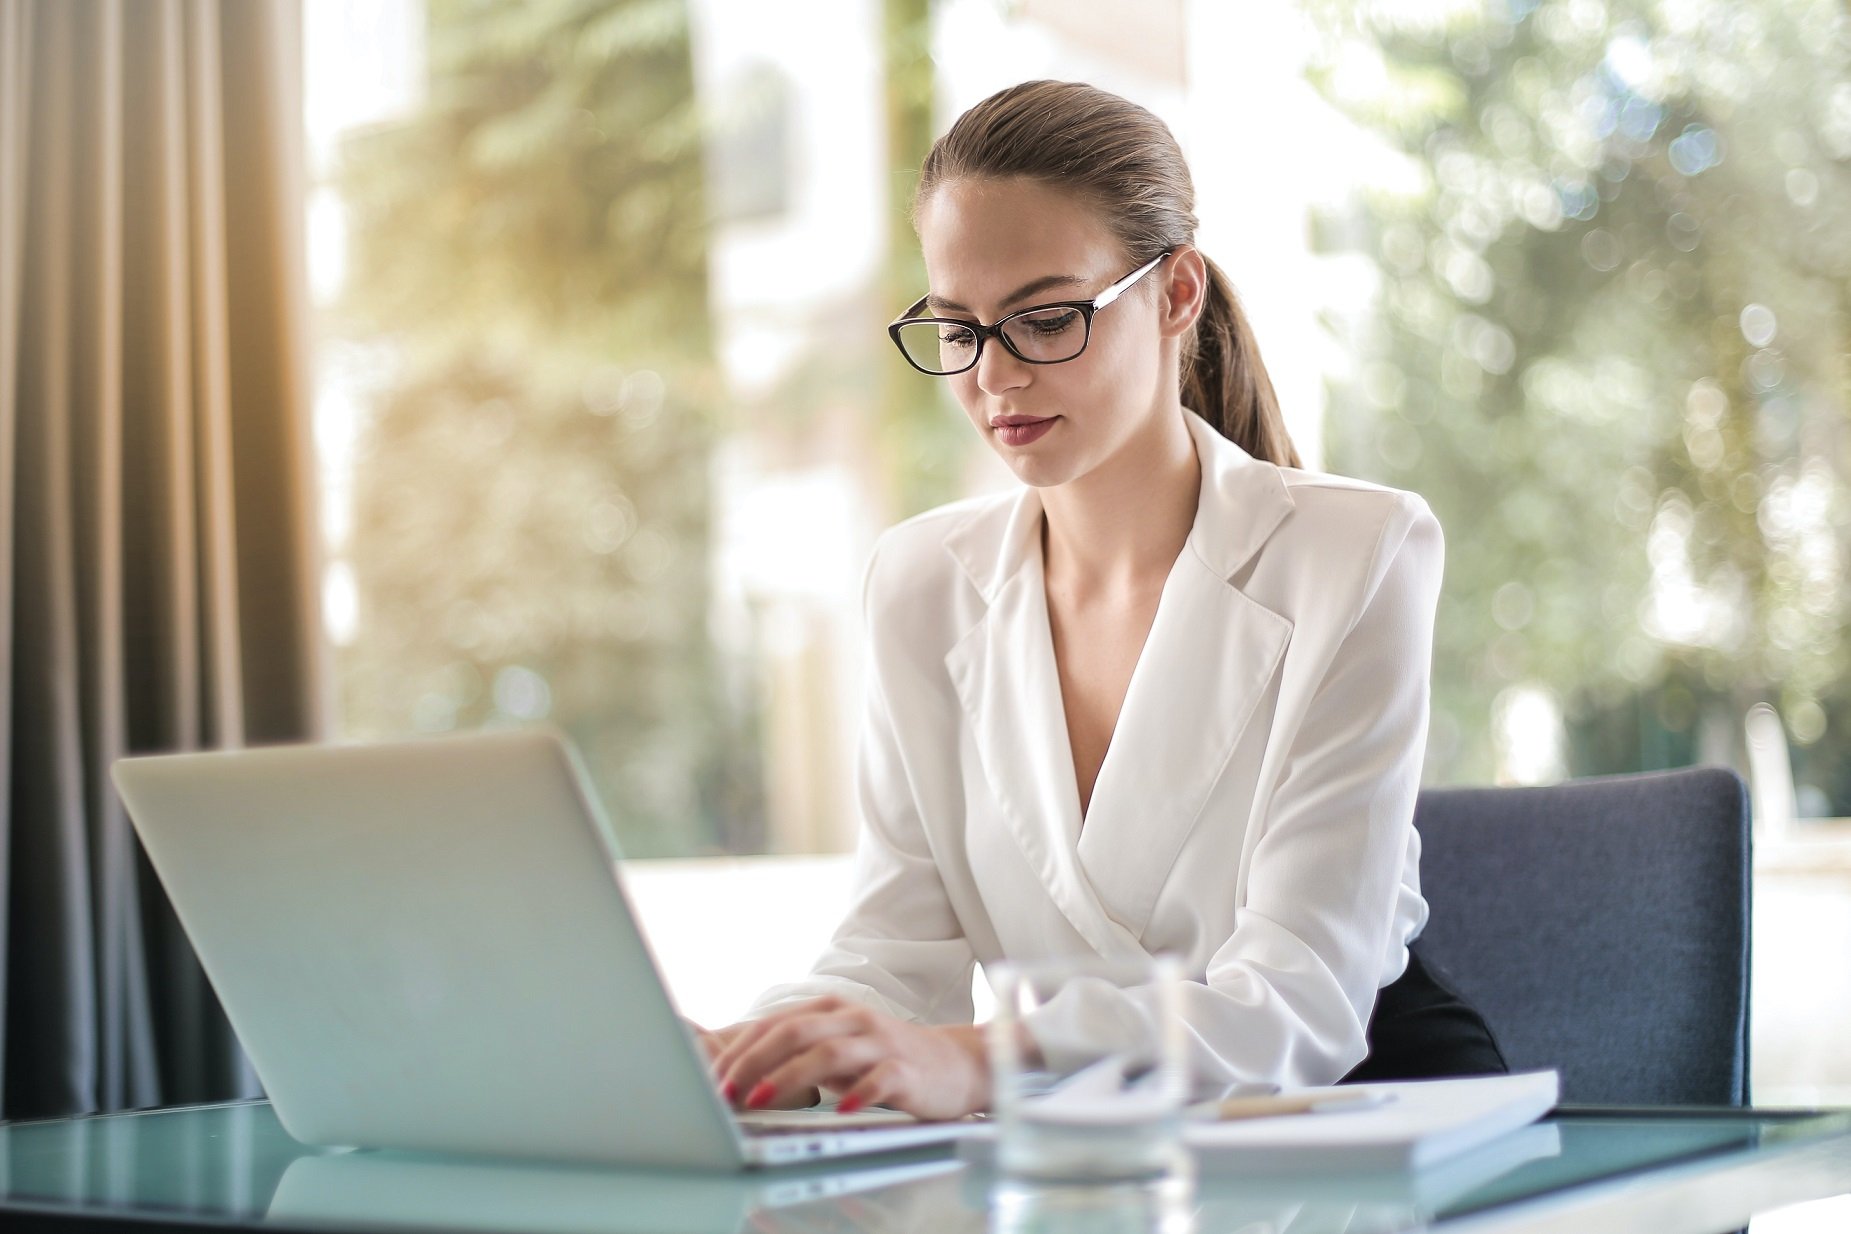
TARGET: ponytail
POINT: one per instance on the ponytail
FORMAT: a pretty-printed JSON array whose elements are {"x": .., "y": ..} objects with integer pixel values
[{"x": 1225, "y": 380}]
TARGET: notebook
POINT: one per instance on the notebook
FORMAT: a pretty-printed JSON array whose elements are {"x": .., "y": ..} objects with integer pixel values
[{"x": 1423, "y": 1123}]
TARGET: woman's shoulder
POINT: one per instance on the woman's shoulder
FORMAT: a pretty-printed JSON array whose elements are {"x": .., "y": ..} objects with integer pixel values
[
  {"x": 1330, "y": 486},
  {"x": 911, "y": 561},
  {"x": 1342, "y": 540},
  {"x": 1347, "y": 509}
]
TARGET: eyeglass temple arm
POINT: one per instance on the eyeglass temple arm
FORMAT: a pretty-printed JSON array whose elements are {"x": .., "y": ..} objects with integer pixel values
[
  {"x": 911, "y": 312},
  {"x": 1118, "y": 289}
]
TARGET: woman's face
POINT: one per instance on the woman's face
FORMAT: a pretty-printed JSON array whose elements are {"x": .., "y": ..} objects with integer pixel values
[{"x": 994, "y": 246}]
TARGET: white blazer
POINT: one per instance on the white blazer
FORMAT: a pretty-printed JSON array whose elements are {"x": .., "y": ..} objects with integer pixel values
[{"x": 1253, "y": 814}]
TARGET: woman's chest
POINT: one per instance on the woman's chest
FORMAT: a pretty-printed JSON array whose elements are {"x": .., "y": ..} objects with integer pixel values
[
  {"x": 1181, "y": 716},
  {"x": 1096, "y": 648},
  {"x": 1157, "y": 862}
]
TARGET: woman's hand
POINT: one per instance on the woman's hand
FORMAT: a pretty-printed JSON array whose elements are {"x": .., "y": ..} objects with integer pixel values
[
  {"x": 871, "y": 1058},
  {"x": 713, "y": 1040}
]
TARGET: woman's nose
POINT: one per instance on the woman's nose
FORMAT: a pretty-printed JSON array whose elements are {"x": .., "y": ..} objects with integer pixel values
[{"x": 999, "y": 369}]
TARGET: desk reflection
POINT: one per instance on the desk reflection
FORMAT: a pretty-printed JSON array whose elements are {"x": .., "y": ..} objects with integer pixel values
[
  {"x": 1233, "y": 1203},
  {"x": 381, "y": 1189},
  {"x": 940, "y": 1195}
]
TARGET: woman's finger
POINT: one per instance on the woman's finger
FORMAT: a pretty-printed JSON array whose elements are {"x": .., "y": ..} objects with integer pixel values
[
  {"x": 930, "y": 1073},
  {"x": 779, "y": 1044},
  {"x": 878, "y": 1085},
  {"x": 838, "y": 1062},
  {"x": 751, "y": 1032},
  {"x": 742, "y": 1036}
]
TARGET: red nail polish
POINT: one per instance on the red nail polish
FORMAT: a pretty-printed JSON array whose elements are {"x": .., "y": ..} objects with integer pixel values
[
  {"x": 761, "y": 1095},
  {"x": 848, "y": 1104},
  {"x": 729, "y": 1091}
]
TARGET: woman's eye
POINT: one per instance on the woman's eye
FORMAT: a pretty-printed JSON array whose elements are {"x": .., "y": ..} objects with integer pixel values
[
  {"x": 952, "y": 336},
  {"x": 1052, "y": 323}
]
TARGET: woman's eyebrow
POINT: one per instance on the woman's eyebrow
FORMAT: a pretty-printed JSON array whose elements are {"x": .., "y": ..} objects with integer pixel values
[{"x": 1044, "y": 283}]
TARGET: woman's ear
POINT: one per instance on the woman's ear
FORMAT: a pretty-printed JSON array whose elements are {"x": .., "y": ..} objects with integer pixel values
[{"x": 1184, "y": 291}]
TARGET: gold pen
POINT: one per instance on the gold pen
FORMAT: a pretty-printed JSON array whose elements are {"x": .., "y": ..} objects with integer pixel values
[{"x": 1231, "y": 1108}]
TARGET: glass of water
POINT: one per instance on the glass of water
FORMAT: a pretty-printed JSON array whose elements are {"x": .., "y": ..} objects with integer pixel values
[{"x": 1089, "y": 1069}]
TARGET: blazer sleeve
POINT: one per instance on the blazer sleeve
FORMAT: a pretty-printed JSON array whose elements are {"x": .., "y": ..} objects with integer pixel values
[
  {"x": 901, "y": 948},
  {"x": 1287, "y": 996}
]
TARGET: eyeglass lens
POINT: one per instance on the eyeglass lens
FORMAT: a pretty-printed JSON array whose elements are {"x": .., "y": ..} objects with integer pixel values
[{"x": 1046, "y": 336}]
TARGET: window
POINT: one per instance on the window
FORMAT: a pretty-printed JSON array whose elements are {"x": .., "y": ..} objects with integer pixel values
[{"x": 609, "y": 419}]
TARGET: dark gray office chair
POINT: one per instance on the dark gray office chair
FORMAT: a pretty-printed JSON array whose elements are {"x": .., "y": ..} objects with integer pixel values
[{"x": 1601, "y": 927}]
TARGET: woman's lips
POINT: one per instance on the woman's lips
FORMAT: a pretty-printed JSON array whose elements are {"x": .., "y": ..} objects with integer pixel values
[{"x": 1020, "y": 430}]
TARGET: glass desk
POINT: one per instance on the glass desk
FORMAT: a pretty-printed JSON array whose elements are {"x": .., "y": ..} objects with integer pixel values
[{"x": 1582, "y": 1170}]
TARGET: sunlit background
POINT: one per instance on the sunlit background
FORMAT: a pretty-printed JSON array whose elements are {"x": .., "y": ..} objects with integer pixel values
[{"x": 608, "y": 420}]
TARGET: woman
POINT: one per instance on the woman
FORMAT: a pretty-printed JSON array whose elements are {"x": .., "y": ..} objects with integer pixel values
[{"x": 1171, "y": 696}]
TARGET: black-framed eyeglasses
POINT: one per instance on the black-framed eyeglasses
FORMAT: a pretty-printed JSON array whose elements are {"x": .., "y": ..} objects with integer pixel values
[{"x": 1044, "y": 334}]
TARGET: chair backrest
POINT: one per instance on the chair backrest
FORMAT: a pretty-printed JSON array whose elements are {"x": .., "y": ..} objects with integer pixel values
[{"x": 1601, "y": 926}]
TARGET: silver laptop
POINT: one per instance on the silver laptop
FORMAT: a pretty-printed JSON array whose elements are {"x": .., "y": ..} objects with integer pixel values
[{"x": 426, "y": 945}]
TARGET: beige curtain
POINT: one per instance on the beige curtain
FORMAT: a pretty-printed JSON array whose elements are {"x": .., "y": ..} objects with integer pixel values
[{"x": 157, "y": 547}]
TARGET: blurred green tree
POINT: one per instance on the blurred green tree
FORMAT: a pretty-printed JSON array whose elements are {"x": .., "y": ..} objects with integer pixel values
[
  {"x": 1610, "y": 347},
  {"x": 919, "y": 446},
  {"x": 530, "y": 490},
  {"x": 924, "y": 434}
]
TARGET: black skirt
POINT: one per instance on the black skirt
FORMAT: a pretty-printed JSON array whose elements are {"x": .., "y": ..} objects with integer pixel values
[{"x": 1421, "y": 1029}]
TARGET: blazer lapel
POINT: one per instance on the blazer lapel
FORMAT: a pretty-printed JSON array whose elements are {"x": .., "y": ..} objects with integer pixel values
[
  {"x": 1210, "y": 655},
  {"x": 1003, "y": 669},
  {"x": 1206, "y": 664}
]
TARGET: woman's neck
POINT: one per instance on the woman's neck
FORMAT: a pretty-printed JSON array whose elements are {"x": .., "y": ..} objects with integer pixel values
[{"x": 1120, "y": 527}]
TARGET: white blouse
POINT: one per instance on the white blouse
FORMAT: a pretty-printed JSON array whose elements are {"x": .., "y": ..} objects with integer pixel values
[{"x": 1253, "y": 814}]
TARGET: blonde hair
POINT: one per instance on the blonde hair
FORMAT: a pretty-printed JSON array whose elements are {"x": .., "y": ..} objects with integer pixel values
[{"x": 1124, "y": 160}]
